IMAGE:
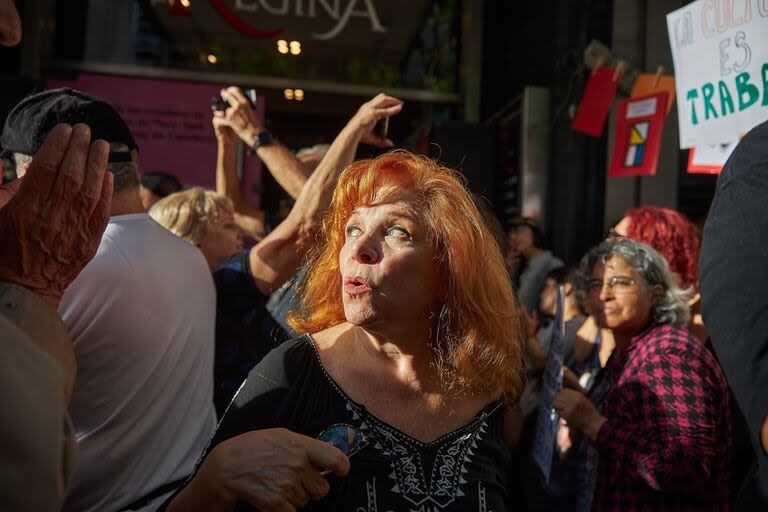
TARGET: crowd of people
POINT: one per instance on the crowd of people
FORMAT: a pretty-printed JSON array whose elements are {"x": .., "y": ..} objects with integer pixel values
[{"x": 385, "y": 346}]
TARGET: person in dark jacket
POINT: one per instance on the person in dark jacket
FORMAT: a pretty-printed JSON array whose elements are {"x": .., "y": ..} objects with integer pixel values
[{"x": 733, "y": 277}]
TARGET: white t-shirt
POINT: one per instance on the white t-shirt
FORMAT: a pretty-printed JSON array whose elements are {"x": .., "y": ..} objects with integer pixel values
[{"x": 142, "y": 319}]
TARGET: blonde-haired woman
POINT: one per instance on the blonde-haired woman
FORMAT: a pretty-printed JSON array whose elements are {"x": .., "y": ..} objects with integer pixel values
[
  {"x": 415, "y": 353},
  {"x": 203, "y": 218}
]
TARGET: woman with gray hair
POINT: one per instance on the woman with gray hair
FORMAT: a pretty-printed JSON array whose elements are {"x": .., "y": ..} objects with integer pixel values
[{"x": 658, "y": 416}]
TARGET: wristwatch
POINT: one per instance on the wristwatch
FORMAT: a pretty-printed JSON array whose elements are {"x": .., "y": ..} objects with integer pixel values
[{"x": 264, "y": 138}]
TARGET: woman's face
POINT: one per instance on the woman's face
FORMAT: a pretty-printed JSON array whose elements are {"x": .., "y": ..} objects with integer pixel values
[
  {"x": 222, "y": 240},
  {"x": 619, "y": 298},
  {"x": 388, "y": 268}
]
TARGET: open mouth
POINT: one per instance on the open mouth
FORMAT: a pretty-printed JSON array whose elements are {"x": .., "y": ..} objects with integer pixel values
[{"x": 355, "y": 286}]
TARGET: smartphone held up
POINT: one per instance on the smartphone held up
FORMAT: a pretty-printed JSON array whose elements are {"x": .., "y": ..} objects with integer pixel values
[{"x": 219, "y": 104}]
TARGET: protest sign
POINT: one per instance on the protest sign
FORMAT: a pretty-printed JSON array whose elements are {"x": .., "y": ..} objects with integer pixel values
[
  {"x": 547, "y": 420},
  {"x": 709, "y": 159},
  {"x": 171, "y": 122},
  {"x": 720, "y": 53},
  {"x": 637, "y": 138},
  {"x": 596, "y": 101}
]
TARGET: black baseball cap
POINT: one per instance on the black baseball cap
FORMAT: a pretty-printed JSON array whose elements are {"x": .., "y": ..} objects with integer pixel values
[{"x": 35, "y": 116}]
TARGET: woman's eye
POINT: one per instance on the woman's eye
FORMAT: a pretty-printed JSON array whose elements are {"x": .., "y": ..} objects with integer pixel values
[
  {"x": 398, "y": 232},
  {"x": 352, "y": 231}
]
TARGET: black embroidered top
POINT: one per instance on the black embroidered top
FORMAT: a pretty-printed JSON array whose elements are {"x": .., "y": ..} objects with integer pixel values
[{"x": 462, "y": 470}]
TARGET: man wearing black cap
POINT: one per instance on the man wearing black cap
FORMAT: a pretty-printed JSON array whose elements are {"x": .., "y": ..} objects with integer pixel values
[
  {"x": 734, "y": 290},
  {"x": 47, "y": 234},
  {"x": 141, "y": 315}
]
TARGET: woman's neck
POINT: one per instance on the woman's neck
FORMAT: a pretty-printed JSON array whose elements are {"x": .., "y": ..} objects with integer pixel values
[{"x": 407, "y": 354}]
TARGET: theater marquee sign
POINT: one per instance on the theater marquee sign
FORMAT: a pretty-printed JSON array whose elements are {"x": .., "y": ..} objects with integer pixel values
[
  {"x": 357, "y": 41},
  {"x": 252, "y": 17},
  {"x": 339, "y": 11}
]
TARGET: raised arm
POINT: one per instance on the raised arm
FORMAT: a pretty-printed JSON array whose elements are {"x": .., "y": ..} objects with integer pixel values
[
  {"x": 287, "y": 170},
  {"x": 248, "y": 217},
  {"x": 276, "y": 258}
]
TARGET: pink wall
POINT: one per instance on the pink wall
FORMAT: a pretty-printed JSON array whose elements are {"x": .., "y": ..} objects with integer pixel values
[{"x": 171, "y": 122}]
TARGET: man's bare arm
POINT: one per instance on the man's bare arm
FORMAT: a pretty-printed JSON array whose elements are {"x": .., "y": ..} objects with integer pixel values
[
  {"x": 287, "y": 170},
  {"x": 249, "y": 218}
]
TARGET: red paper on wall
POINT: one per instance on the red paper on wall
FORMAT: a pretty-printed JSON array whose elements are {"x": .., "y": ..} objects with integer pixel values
[
  {"x": 639, "y": 123},
  {"x": 596, "y": 102}
]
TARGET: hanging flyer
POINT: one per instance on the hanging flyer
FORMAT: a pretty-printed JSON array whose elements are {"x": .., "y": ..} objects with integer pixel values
[
  {"x": 596, "y": 102},
  {"x": 637, "y": 138}
]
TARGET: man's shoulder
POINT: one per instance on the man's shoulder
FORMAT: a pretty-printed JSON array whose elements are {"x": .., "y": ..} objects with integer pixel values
[
  {"x": 546, "y": 261},
  {"x": 138, "y": 234},
  {"x": 138, "y": 253},
  {"x": 553, "y": 261}
]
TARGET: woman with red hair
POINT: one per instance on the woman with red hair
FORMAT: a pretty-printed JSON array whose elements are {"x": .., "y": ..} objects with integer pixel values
[
  {"x": 415, "y": 350},
  {"x": 670, "y": 233}
]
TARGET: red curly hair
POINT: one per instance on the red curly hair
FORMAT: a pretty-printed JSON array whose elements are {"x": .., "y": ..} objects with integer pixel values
[
  {"x": 478, "y": 338},
  {"x": 673, "y": 235}
]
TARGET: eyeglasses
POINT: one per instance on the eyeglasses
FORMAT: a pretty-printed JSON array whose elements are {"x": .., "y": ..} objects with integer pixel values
[
  {"x": 616, "y": 284},
  {"x": 614, "y": 235}
]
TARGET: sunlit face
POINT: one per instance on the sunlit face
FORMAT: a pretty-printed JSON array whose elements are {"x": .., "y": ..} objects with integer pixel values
[
  {"x": 619, "y": 298},
  {"x": 222, "y": 240},
  {"x": 388, "y": 268}
]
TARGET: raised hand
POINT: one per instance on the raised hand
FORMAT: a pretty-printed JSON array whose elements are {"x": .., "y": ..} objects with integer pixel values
[
  {"x": 580, "y": 413},
  {"x": 240, "y": 115},
  {"x": 365, "y": 119},
  {"x": 224, "y": 133},
  {"x": 52, "y": 221}
]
